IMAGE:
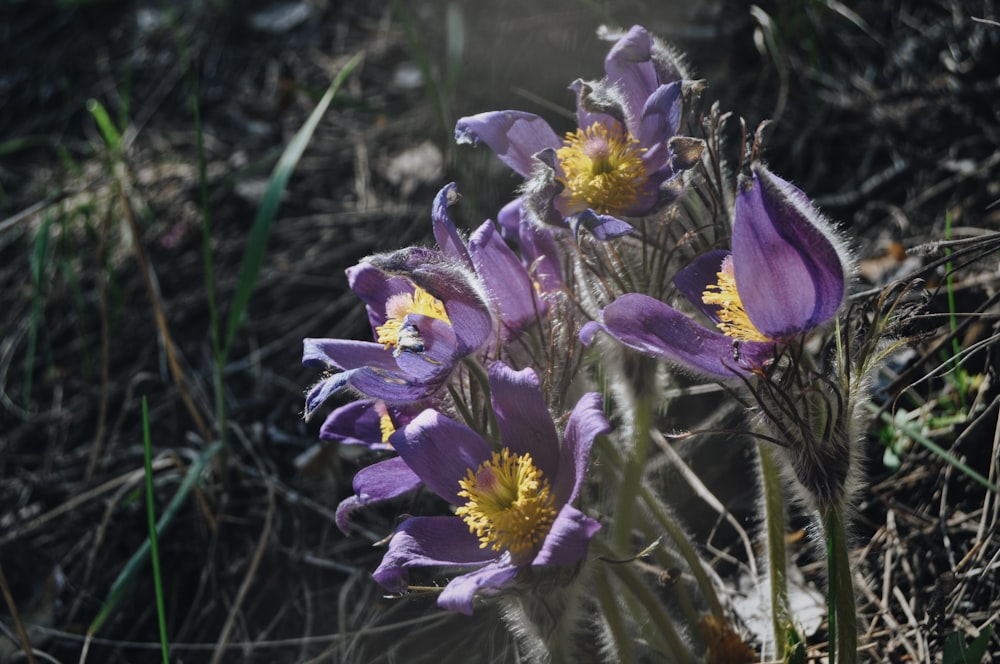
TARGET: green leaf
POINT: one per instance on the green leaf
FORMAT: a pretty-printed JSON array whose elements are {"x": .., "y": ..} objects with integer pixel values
[
  {"x": 154, "y": 546},
  {"x": 125, "y": 577},
  {"x": 795, "y": 648},
  {"x": 39, "y": 257},
  {"x": 957, "y": 652},
  {"x": 253, "y": 257},
  {"x": 108, "y": 130}
]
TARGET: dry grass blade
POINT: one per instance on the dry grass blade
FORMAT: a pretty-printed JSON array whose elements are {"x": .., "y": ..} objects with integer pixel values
[
  {"x": 76, "y": 501},
  {"x": 248, "y": 579},
  {"x": 22, "y": 633}
]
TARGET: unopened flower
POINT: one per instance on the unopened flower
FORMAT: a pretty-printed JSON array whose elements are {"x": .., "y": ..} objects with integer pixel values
[
  {"x": 513, "y": 504},
  {"x": 620, "y": 162},
  {"x": 786, "y": 274}
]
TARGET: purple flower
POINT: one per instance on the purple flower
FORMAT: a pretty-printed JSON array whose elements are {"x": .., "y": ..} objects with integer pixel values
[
  {"x": 786, "y": 275},
  {"x": 514, "y": 505},
  {"x": 429, "y": 309},
  {"x": 622, "y": 161}
]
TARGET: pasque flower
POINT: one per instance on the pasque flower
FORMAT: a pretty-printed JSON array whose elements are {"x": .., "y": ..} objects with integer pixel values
[
  {"x": 622, "y": 161},
  {"x": 513, "y": 504},
  {"x": 428, "y": 312},
  {"x": 786, "y": 274},
  {"x": 428, "y": 308}
]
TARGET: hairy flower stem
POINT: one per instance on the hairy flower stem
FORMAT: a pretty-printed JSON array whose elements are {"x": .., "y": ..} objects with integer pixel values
[
  {"x": 665, "y": 521},
  {"x": 625, "y": 511},
  {"x": 843, "y": 613},
  {"x": 654, "y": 613},
  {"x": 611, "y": 612},
  {"x": 774, "y": 519}
]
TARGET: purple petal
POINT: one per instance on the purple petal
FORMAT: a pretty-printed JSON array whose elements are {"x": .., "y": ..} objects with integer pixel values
[
  {"x": 694, "y": 278},
  {"x": 394, "y": 387},
  {"x": 460, "y": 592},
  {"x": 651, "y": 327},
  {"x": 603, "y": 226},
  {"x": 435, "y": 352},
  {"x": 628, "y": 66},
  {"x": 523, "y": 418},
  {"x": 375, "y": 288},
  {"x": 586, "y": 422},
  {"x": 321, "y": 391},
  {"x": 509, "y": 219},
  {"x": 355, "y": 423},
  {"x": 445, "y": 232},
  {"x": 513, "y": 135},
  {"x": 344, "y": 510},
  {"x": 378, "y": 482},
  {"x": 428, "y": 542},
  {"x": 589, "y": 331},
  {"x": 568, "y": 539},
  {"x": 538, "y": 246},
  {"x": 661, "y": 117},
  {"x": 345, "y": 354},
  {"x": 441, "y": 452},
  {"x": 360, "y": 423},
  {"x": 788, "y": 271},
  {"x": 505, "y": 278}
]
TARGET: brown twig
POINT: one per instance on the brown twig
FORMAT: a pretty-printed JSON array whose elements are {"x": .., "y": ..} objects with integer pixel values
[
  {"x": 258, "y": 554},
  {"x": 77, "y": 500},
  {"x": 102, "y": 307},
  {"x": 146, "y": 270},
  {"x": 18, "y": 624}
]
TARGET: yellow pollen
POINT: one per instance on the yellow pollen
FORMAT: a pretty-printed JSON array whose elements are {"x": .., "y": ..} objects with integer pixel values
[
  {"x": 509, "y": 505},
  {"x": 401, "y": 305},
  {"x": 386, "y": 426},
  {"x": 733, "y": 320},
  {"x": 603, "y": 168}
]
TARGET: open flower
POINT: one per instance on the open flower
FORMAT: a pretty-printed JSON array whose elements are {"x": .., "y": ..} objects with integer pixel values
[
  {"x": 428, "y": 309},
  {"x": 622, "y": 161},
  {"x": 786, "y": 274},
  {"x": 513, "y": 504}
]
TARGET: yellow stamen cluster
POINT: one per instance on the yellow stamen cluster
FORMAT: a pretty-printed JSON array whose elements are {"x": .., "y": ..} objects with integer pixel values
[
  {"x": 401, "y": 305},
  {"x": 386, "y": 426},
  {"x": 603, "y": 168},
  {"x": 734, "y": 321},
  {"x": 509, "y": 505}
]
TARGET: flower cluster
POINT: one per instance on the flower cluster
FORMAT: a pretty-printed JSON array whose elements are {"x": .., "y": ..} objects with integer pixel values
[{"x": 473, "y": 388}]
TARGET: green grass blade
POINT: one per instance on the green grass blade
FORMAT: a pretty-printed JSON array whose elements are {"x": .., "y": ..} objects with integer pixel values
[
  {"x": 38, "y": 258},
  {"x": 125, "y": 577},
  {"x": 108, "y": 130},
  {"x": 914, "y": 433},
  {"x": 154, "y": 549},
  {"x": 257, "y": 242}
]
